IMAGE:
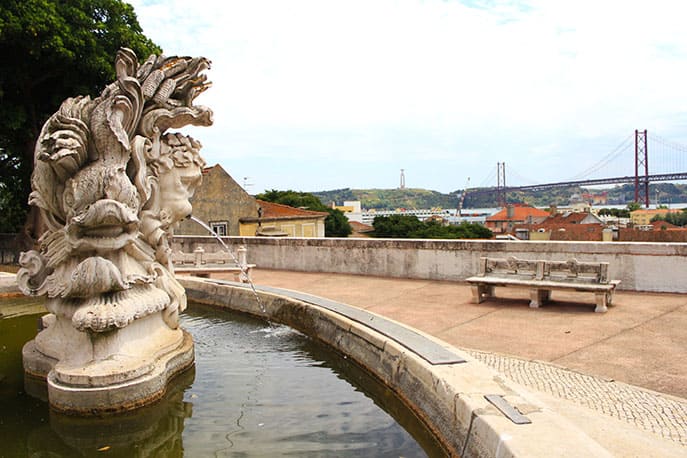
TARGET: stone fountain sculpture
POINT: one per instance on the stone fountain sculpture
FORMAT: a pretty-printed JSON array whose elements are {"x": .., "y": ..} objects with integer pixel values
[{"x": 111, "y": 184}]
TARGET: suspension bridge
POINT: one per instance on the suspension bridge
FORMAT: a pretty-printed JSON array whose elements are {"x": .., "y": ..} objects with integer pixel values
[{"x": 667, "y": 158}]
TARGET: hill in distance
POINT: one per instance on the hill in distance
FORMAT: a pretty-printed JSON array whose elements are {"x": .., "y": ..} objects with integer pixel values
[{"x": 391, "y": 199}]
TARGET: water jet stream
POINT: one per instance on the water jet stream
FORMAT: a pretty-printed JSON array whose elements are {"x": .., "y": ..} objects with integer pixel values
[{"x": 204, "y": 225}]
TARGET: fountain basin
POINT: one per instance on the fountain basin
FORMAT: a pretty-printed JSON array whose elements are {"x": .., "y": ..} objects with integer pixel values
[
  {"x": 449, "y": 396},
  {"x": 255, "y": 390}
]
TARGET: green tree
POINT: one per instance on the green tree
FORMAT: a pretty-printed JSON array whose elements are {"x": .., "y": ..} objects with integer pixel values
[
  {"x": 676, "y": 218},
  {"x": 615, "y": 212},
  {"x": 408, "y": 226},
  {"x": 473, "y": 231},
  {"x": 396, "y": 226},
  {"x": 13, "y": 211},
  {"x": 335, "y": 225},
  {"x": 633, "y": 206},
  {"x": 52, "y": 50},
  {"x": 293, "y": 199}
]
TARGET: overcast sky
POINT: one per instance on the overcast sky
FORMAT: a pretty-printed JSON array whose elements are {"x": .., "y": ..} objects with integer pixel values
[{"x": 319, "y": 95}]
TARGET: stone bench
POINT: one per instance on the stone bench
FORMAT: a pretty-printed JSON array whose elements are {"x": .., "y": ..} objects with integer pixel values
[
  {"x": 541, "y": 277},
  {"x": 202, "y": 264}
]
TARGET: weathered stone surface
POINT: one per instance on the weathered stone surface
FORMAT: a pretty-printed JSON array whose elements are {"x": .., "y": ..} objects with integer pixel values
[{"x": 111, "y": 185}]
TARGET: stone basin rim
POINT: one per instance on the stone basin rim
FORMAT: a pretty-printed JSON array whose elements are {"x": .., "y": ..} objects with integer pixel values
[{"x": 449, "y": 396}]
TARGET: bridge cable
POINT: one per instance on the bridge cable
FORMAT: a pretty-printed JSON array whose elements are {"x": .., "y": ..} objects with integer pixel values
[
  {"x": 616, "y": 152},
  {"x": 488, "y": 182},
  {"x": 514, "y": 173},
  {"x": 678, "y": 160}
]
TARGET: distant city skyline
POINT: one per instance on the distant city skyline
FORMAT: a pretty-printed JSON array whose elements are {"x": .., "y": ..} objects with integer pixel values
[{"x": 322, "y": 95}]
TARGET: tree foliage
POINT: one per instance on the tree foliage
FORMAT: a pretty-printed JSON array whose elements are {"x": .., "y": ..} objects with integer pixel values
[
  {"x": 53, "y": 50},
  {"x": 675, "y": 217},
  {"x": 615, "y": 212},
  {"x": 335, "y": 225},
  {"x": 633, "y": 206},
  {"x": 409, "y": 226},
  {"x": 13, "y": 211},
  {"x": 293, "y": 199}
]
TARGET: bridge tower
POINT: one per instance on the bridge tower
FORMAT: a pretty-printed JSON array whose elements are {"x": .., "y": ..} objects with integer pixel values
[
  {"x": 402, "y": 185},
  {"x": 501, "y": 183},
  {"x": 641, "y": 160}
]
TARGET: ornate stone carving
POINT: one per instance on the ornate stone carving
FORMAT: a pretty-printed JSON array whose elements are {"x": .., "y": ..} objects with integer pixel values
[{"x": 111, "y": 184}]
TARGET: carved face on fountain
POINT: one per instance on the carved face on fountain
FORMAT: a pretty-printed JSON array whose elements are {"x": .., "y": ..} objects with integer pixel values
[{"x": 179, "y": 174}]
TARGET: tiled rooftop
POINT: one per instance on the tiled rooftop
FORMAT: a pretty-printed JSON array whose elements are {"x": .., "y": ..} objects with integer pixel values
[{"x": 273, "y": 210}]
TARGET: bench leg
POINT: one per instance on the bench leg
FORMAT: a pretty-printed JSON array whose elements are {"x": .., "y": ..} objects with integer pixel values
[
  {"x": 244, "y": 276},
  {"x": 602, "y": 301},
  {"x": 539, "y": 297},
  {"x": 481, "y": 292}
]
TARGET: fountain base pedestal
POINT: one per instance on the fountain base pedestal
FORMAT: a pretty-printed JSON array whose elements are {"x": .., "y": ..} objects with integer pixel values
[{"x": 115, "y": 371}]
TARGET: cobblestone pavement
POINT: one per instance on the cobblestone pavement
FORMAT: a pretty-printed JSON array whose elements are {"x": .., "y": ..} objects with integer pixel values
[{"x": 662, "y": 415}]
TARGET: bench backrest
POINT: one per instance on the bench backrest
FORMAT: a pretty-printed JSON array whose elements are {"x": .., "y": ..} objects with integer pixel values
[
  {"x": 511, "y": 267},
  {"x": 179, "y": 257},
  {"x": 218, "y": 257},
  {"x": 563, "y": 271},
  {"x": 199, "y": 257},
  {"x": 593, "y": 272}
]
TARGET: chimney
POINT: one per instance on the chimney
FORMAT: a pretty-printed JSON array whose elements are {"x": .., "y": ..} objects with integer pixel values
[
  {"x": 553, "y": 209},
  {"x": 509, "y": 211}
]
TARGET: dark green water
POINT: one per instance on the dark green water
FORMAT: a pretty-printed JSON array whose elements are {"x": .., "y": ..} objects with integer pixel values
[{"x": 255, "y": 390}]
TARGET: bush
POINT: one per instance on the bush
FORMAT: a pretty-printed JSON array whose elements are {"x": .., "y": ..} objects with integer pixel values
[{"x": 408, "y": 226}]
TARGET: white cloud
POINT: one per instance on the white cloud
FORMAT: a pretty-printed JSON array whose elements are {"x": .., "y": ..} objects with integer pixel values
[{"x": 437, "y": 85}]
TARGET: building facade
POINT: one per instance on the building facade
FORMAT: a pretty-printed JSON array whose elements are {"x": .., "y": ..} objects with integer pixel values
[
  {"x": 644, "y": 216},
  {"x": 278, "y": 220},
  {"x": 511, "y": 216},
  {"x": 220, "y": 202},
  {"x": 229, "y": 210}
]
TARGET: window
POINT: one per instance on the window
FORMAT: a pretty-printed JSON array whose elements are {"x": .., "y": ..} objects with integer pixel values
[
  {"x": 309, "y": 230},
  {"x": 289, "y": 229},
  {"x": 219, "y": 228}
]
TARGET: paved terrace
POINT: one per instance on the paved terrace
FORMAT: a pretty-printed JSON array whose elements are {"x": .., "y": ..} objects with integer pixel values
[{"x": 628, "y": 365}]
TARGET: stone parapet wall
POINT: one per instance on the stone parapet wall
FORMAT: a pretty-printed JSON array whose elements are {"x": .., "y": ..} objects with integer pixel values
[{"x": 655, "y": 267}]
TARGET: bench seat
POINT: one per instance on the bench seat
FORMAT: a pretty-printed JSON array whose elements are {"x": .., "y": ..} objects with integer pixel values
[
  {"x": 202, "y": 264},
  {"x": 542, "y": 277},
  {"x": 205, "y": 271}
]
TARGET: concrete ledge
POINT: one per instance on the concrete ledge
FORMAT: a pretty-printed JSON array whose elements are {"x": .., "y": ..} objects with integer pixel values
[
  {"x": 8, "y": 284},
  {"x": 641, "y": 266},
  {"x": 448, "y": 397}
]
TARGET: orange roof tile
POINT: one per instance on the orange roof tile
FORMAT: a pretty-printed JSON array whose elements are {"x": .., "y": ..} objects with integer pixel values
[
  {"x": 577, "y": 232},
  {"x": 273, "y": 210},
  {"x": 360, "y": 227},
  {"x": 520, "y": 213}
]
